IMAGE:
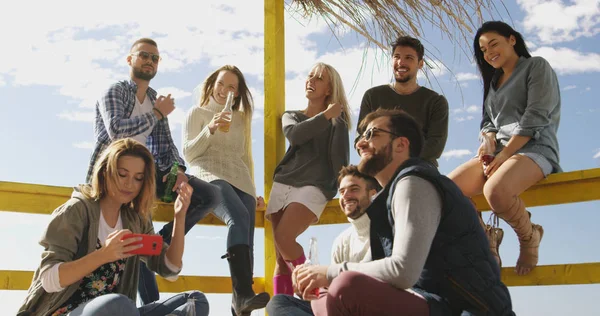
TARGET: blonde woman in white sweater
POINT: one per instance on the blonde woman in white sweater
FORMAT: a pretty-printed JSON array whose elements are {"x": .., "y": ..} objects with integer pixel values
[{"x": 225, "y": 160}]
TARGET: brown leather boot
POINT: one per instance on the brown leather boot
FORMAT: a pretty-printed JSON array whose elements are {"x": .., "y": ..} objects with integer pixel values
[
  {"x": 494, "y": 235},
  {"x": 530, "y": 235}
]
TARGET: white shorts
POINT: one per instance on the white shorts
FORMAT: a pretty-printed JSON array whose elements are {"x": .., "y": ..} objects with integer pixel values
[{"x": 282, "y": 195}]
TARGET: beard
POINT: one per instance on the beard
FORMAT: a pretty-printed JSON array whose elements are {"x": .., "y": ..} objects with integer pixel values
[
  {"x": 361, "y": 207},
  {"x": 140, "y": 74},
  {"x": 378, "y": 160},
  {"x": 404, "y": 79}
]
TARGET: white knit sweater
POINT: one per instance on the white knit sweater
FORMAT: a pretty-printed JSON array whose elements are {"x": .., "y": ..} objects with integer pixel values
[
  {"x": 353, "y": 244},
  {"x": 221, "y": 156}
]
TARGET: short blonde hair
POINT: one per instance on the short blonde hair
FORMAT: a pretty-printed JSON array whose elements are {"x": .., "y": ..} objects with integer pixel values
[{"x": 105, "y": 170}]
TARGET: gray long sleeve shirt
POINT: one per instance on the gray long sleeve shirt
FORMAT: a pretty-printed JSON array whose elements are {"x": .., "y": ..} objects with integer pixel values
[
  {"x": 318, "y": 150},
  {"x": 527, "y": 104}
]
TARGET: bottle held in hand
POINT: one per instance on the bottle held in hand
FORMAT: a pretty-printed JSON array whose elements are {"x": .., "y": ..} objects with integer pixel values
[
  {"x": 228, "y": 108},
  {"x": 488, "y": 151},
  {"x": 169, "y": 195},
  {"x": 313, "y": 259}
]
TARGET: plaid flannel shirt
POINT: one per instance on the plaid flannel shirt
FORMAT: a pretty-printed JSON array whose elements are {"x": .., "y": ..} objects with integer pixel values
[{"x": 114, "y": 121}]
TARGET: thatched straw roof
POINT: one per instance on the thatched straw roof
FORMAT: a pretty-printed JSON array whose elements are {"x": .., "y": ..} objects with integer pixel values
[{"x": 382, "y": 21}]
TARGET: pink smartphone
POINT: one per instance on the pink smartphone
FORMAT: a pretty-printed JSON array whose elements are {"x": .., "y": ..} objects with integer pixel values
[{"x": 151, "y": 244}]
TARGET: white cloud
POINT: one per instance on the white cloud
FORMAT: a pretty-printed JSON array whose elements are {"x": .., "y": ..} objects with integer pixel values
[
  {"x": 597, "y": 155},
  {"x": 588, "y": 89},
  {"x": 2, "y": 82},
  {"x": 469, "y": 109},
  {"x": 78, "y": 116},
  {"x": 530, "y": 45},
  {"x": 84, "y": 145},
  {"x": 176, "y": 93},
  {"x": 436, "y": 70},
  {"x": 465, "y": 76},
  {"x": 556, "y": 21},
  {"x": 571, "y": 87},
  {"x": 67, "y": 54},
  {"x": 567, "y": 61},
  {"x": 462, "y": 119},
  {"x": 456, "y": 153},
  {"x": 176, "y": 118}
]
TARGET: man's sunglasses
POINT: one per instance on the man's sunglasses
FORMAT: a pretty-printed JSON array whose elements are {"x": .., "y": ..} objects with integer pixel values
[
  {"x": 145, "y": 56},
  {"x": 368, "y": 134}
]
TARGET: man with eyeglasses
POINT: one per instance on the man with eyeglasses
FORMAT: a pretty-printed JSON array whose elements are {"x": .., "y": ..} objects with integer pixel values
[
  {"x": 131, "y": 108},
  {"x": 430, "y": 255},
  {"x": 429, "y": 108}
]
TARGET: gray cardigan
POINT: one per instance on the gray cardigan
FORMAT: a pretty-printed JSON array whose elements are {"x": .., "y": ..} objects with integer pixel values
[
  {"x": 71, "y": 234},
  {"x": 318, "y": 151},
  {"x": 527, "y": 104}
]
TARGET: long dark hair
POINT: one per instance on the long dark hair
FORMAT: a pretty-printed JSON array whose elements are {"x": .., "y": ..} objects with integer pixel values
[{"x": 486, "y": 70}]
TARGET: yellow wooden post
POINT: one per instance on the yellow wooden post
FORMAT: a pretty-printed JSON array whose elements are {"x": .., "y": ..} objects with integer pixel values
[{"x": 274, "y": 106}]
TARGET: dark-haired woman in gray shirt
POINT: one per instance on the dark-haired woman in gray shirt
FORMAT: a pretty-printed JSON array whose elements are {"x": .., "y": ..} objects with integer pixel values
[
  {"x": 306, "y": 178},
  {"x": 519, "y": 147}
]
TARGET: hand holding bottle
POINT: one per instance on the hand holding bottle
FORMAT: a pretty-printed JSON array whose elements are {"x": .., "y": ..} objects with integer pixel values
[
  {"x": 221, "y": 120},
  {"x": 487, "y": 149}
]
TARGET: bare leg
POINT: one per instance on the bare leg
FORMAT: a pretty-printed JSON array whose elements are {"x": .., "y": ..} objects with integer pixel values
[{"x": 502, "y": 192}]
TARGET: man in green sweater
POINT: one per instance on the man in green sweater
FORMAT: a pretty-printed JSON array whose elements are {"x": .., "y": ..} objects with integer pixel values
[{"x": 429, "y": 108}]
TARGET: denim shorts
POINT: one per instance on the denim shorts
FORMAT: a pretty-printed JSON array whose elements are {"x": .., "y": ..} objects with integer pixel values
[{"x": 541, "y": 161}]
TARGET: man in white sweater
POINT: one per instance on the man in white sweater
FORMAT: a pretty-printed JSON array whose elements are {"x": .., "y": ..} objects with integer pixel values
[{"x": 353, "y": 245}]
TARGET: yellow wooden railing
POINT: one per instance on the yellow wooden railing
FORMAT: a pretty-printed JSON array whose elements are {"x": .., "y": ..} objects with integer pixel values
[{"x": 569, "y": 187}]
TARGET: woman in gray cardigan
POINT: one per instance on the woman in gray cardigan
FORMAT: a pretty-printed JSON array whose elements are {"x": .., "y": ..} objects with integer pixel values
[
  {"x": 306, "y": 178},
  {"x": 519, "y": 147},
  {"x": 87, "y": 268}
]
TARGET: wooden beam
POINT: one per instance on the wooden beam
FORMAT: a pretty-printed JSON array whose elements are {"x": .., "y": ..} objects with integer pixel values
[
  {"x": 20, "y": 280},
  {"x": 561, "y": 274},
  {"x": 43, "y": 199},
  {"x": 559, "y": 188},
  {"x": 274, "y": 143}
]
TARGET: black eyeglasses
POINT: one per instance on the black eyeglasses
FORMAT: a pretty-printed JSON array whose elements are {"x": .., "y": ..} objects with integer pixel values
[
  {"x": 368, "y": 134},
  {"x": 145, "y": 55}
]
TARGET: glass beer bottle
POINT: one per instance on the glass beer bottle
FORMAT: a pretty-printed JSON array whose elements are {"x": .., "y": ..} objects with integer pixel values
[{"x": 228, "y": 108}]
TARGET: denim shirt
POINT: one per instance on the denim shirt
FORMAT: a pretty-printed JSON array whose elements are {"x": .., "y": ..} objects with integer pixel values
[{"x": 527, "y": 104}]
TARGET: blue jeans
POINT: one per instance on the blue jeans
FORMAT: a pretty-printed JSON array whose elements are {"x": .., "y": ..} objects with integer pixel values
[
  {"x": 204, "y": 198},
  {"x": 238, "y": 211},
  {"x": 121, "y": 305},
  {"x": 286, "y": 305}
]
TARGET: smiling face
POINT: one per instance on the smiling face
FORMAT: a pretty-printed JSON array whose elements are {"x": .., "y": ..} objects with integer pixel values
[
  {"x": 497, "y": 49},
  {"x": 141, "y": 62},
  {"x": 376, "y": 153},
  {"x": 226, "y": 81},
  {"x": 318, "y": 84},
  {"x": 129, "y": 180},
  {"x": 354, "y": 196},
  {"x": 406, "y": 64}
]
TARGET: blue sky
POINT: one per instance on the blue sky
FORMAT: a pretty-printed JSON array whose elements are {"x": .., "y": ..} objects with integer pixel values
[{"x": 56, "y": 63}]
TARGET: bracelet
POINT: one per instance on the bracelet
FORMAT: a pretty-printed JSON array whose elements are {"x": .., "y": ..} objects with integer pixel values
[{"x": 162, "y": 116}]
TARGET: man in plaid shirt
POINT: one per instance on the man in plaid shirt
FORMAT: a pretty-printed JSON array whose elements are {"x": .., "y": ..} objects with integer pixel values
[{"x": 130, "y": 108}]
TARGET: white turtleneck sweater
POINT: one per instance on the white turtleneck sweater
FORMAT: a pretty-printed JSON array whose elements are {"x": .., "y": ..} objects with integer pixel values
[
  {"x": 220, "y": 156},
  {"x": 353, "y": 244}
]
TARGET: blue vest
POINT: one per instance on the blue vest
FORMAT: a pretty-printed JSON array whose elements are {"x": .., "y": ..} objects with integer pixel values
[{"x": 460, "y": 276}]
